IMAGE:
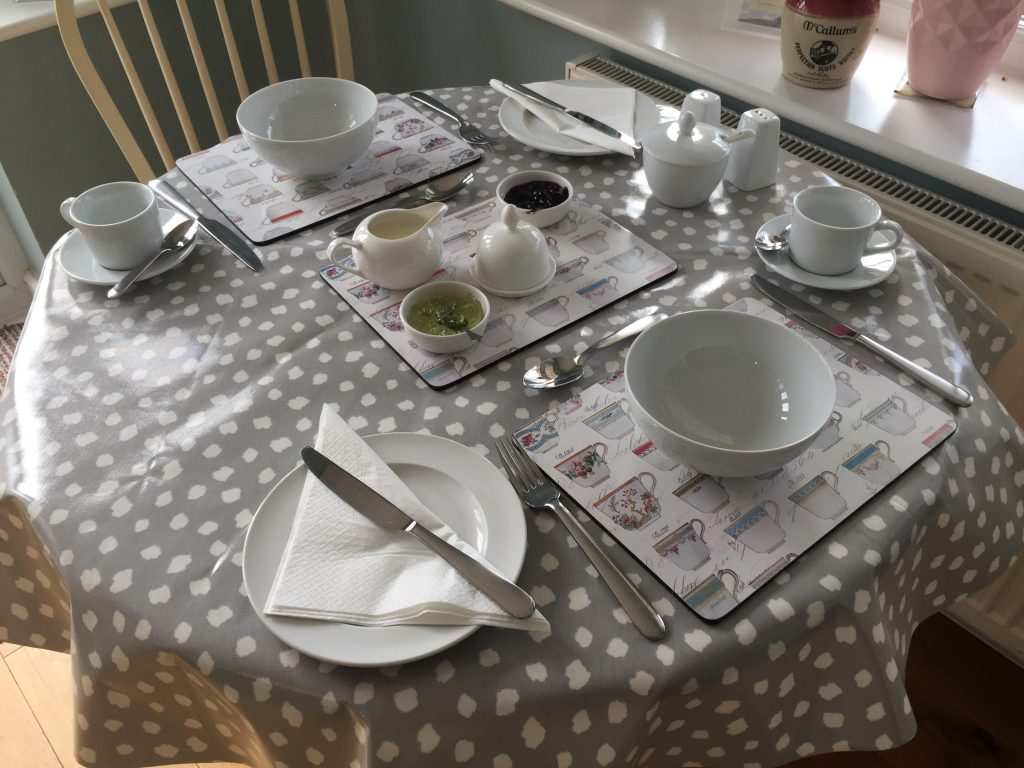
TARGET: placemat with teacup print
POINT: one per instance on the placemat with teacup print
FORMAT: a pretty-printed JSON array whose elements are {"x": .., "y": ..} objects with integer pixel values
[
  {"x": 716, "y": 541},
  {"x": 599, "y": 263},
  {"x": 408, "y": 148}
]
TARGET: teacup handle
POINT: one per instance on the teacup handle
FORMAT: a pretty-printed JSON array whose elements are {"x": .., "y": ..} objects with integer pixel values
[
  {"x": 695, "y": 522},
  {"x": 344, "y": 242},
  {"x": 836, "y": 417},
  {"x": 654, "y": 481},
  {"x": 601, "y": 449},
  {"x": 563, "y": 300},
  {"x": 887, "y": 225},
  {"x": 770, "y": 503},
  {"x": 65, "y": 210},
  {"x": 735, "y": 578},
  {"x": 888, "y": 450},
  {"x": 834, "y": 482},
  {"x": 843, "y": 376},
  {"x": 899, "y": 402}
]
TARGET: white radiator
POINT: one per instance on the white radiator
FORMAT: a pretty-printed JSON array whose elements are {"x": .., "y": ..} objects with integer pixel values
[{"x": 986, "y": 253}]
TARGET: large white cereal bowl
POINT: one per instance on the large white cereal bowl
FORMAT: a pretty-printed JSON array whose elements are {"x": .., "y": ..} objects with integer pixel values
[
  {"x": 728, "y": 394},
  {"x": 313, "y": 126}
]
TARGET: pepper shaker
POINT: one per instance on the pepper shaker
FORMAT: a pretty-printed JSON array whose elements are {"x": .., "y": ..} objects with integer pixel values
[
  {"x": 705, "y": 105},
  {"x": 754, "y": 164}
]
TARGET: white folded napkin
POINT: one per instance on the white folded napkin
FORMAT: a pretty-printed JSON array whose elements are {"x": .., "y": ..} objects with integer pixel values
[
  {"x": 615, "y": 106},
  {"x": 339, "y": 566}
]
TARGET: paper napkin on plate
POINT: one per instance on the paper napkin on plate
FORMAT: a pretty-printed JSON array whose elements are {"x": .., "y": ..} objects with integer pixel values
[
  {"x": 339, "y": 566},
  {"x": 615, "y": 106}
]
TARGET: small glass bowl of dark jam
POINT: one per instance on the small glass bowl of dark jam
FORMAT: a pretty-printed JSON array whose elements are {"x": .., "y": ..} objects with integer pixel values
[{"x": 543, "y": 198}]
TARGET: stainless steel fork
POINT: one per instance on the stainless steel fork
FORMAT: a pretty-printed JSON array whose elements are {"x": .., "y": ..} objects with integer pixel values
[
  {"x": 467, "y": 130},
  {"x": 538, "y": 492}
]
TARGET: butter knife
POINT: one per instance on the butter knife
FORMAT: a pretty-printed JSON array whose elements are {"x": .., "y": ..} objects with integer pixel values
[
  {"x": 220, "y": 232},
  {"x": 824, "y": 322},
  {"x": 587, "y": 120},
  {"x": 379, "y": 510}
]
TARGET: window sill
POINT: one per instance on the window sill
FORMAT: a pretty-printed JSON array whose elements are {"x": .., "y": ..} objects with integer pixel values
[{"x": 973, "y": 149}]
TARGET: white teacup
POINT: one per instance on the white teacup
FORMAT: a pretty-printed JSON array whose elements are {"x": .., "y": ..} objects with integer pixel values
[
  {"x": 820, "y": 496},
  {"x": 685, "y": 547},
  {"x": 831, "y": 227},
  {"x": 120, "y": 222}
]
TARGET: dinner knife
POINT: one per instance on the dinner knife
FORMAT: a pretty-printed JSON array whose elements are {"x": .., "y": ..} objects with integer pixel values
[
  {"x": 822, "y": 321},
  {"x": 379, "y": 510},
  {"x": 219, "y": 231},
  {"x": 590, "y": 122}
]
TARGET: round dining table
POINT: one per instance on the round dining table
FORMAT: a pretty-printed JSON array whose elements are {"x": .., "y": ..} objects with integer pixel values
[{"x": 138, "y": 437}]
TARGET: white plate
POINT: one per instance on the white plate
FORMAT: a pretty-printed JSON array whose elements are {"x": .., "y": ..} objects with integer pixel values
[
  {"x": 458, "y": 484},
  {"x": 75, "y": 258},
  {"x": 873, "y": 269},
  {"x": 524, "y": 126}
]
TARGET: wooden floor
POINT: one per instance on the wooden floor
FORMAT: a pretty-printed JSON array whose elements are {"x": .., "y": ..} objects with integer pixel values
[{"x": 966, "y": 696}]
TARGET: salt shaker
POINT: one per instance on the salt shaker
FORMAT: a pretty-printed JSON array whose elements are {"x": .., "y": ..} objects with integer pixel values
[
  {"x": 754, "y": 164},
  {"x": 705, "y": 105}
]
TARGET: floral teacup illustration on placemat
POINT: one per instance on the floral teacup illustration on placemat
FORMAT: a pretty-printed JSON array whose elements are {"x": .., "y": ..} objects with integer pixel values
[
  {"x": 381, "y": 149},
  {"x": 409, "y": 127},
  {"x": 586, "y": 467},
  {"x": 434, "y": 141},
  {"x": 704, "y": 493},
  {"x": 633, "y": 505},
  {"x": 388, "y": 113},
  {"x": 830, "y": 434},
  {"x": 758, "y": 528},
  {"x": 238, "y": 177},
  {"x": 370, "y": 293},
  {"x": 552, "y": 312},
  {"x": 462, "y": 155},
  {"x": 846, "y": 393},
  {"x": 540, "y": 435},
  {"x": 711, "y": 599},
  {"x": 612, "y": 421},
  {"x": 566, "y": 225},
  {"x": 445, "y": 371},
  {"x": 571, "y": 405},
  {"x": 553, "y": 246},
  {"x": 307, "y": 189},
  {"x": 629, "y": 261},
  {"x": 600, "y": 291},
  {"x": 615, "y": 383},
  {"x": 389, "y": 317},
  {"x": 500, "y": 330},
  {"x": 215, "y": 163},
  {"x": 571, "y": 269},
  {"x": 685, "y": 546},
  {"x": 874, "y": 464},
  {"x": 820, "y": 496},
  {"x": 595, "y": 243},
  {"x": 850, "y": 361},
  {"x": 258, "y": 193},
  {"x": 649, "y": 452},
  {"x": 406, "y": 163},
  {"x": 891, "y": 416}
]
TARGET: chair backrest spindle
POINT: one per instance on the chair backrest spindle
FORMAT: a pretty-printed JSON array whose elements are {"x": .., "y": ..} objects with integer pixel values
[{"x": 67, "y": 23}]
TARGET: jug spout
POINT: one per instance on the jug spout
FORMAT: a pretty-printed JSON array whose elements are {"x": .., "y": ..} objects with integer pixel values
[{"x": 430, "y": 212}]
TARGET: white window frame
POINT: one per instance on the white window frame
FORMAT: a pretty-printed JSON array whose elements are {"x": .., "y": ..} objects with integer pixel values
[{"x": 15, "y": 295}]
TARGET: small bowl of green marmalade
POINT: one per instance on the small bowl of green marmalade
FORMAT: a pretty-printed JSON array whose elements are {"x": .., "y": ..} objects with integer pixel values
[{"x": 438, "y": 315}]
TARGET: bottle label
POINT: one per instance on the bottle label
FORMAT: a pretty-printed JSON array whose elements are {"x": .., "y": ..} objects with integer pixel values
[{"x": 822, "y": 52}]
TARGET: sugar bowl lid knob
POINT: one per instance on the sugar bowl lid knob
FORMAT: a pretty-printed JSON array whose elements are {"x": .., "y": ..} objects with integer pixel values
[{"x": 510, "y": 217}]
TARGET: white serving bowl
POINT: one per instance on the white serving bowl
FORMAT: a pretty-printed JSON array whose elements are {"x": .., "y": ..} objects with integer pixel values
[
  {"x": 444, "y": 345},
  {"x": 546, "y": 216},
  {"x": 313, "y": 126},
  {"x": 729, "y": 394}
]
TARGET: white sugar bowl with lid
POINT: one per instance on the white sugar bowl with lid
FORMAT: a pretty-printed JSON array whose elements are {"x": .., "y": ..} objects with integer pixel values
[
  {"x": 512, "y": 257},
  {"x": 685, "y": 160}
]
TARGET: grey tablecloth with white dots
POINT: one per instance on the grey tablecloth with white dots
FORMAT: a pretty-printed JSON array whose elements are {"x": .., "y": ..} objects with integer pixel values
[{"x": 139, "y": 436}]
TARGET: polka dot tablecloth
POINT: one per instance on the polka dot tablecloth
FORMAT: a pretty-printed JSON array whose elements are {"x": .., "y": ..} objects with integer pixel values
[{"x": 143, "y": 433}]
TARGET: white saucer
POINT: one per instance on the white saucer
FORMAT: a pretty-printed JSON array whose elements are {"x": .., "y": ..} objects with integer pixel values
[
  {"x": 548, "y": 277},
  {"x": 524, "y": 126},
  {"x": 77, "y": 261},
  {"x": 456, "y": 483},
  {"x": 873, "y": 269}
]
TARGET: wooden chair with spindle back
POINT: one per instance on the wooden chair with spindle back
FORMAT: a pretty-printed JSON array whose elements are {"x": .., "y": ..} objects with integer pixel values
[{"x": 67, "y": 22}]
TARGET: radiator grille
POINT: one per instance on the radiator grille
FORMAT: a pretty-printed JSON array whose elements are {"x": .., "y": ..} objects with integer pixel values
[{"x": 838, "y": 165}]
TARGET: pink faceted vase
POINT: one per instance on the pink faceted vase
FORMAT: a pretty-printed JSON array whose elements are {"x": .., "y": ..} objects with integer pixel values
[{"x": 953, "y": 45}]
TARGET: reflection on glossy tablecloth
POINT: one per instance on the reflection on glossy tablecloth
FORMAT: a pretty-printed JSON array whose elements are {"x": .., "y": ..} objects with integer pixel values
[{"x": 145, "y": 432}]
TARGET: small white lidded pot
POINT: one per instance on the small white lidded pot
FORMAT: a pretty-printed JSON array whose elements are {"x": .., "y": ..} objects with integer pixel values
[
  {"x": 685, "y": 160},
  {"x": 451, "y": 343},
  {"x": 543, "y": 217},
  {"x": 512, "y": 257}
]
